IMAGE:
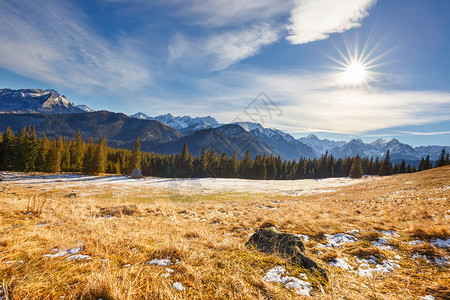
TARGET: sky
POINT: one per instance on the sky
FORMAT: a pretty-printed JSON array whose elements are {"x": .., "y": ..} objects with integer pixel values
[{"x": 338, "y": 69}]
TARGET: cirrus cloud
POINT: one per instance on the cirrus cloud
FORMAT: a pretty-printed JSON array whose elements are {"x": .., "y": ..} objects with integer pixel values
[{"x": 313, "y": 20}]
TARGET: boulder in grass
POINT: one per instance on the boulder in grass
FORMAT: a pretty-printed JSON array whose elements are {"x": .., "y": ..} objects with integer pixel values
[
  {"x": 136, "y": 174},
  {"x": 117, "y": 211},
  {"x": 285, "y": 245}
]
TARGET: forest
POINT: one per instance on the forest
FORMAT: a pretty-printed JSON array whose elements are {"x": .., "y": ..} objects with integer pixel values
[{"x": 24, "y": 151}]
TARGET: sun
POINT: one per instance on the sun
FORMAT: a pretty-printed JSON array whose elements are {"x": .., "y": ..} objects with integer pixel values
[
  {"x": 354, "y": 74},
  {"x": 357, "y": 67}
]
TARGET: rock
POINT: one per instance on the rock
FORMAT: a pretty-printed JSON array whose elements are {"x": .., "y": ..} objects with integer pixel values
[
  {"x": 117, "y": 211},
  {"x": 285, "y": 245},
  {"x": 136, "y": 174}
]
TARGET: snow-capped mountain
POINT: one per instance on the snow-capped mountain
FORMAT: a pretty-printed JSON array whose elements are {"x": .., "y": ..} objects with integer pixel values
[
  {"x": 249, "y": 126},
  {"x": 378, "y": 148},
  {"x": 320, "y": 146},
  {"x": 183, "y": 124},
  {"x": 37, "y": 101},
  {"x": 141, "y": 116},
  {"x": 85, "y": 108}
]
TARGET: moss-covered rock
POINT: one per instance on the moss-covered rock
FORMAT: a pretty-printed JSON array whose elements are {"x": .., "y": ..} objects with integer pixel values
[{"x": 285, "y": 245}]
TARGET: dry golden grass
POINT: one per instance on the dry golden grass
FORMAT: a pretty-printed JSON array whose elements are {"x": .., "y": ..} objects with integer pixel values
[{"x": 206, "y": 234}]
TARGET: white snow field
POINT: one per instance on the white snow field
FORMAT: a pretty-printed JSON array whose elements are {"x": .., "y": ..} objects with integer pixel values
[{"x": 185, "y": 186}]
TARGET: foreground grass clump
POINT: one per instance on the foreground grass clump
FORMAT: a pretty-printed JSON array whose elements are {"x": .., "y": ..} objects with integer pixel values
[{"x": 110, "y": 242}]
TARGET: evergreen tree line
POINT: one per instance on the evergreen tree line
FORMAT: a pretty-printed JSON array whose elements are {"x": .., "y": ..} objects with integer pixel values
[{"x": 25, "y": 152}]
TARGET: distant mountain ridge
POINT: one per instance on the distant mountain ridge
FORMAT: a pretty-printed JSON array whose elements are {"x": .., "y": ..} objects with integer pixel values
[
  {"x": 378, "y": 148},
  {"x": 54, "y": 115},
  {"x": 38, "y": 101},
  {"x": 185, "y": 124}
]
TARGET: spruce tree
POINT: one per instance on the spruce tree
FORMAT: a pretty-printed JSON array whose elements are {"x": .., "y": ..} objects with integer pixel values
[
  {"x": 100, "y": 157},
  {"x": 428, "y": 165},
  {"x": 402, "y": 168},
  {"x": 88, "y": 160},
  {"x": 356, "y": 170},
  {"x": 8, "y": 150},
  {"x": 41, "y": 159},
  {"x": 442, "y": 160},
  {"x": 246, "y": 166},
  {"x": 386, "y": 166},
  {"x": 53, "y": 161},
  {"x": 77, "y": 156},
  {"x": 136, "y": 155}
]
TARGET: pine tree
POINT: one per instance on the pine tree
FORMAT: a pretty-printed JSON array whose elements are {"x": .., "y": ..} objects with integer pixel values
[
  {"x": 428, "y": 165},
  {"x": 356, "y": 170},
  {"x": 402, "y": 168},
  {"x": 185, "y": 163},
  {"x": 246, "y": 166},
  {"x": 41, "y": 159},
  {"x": 77, "y": 156},
  {"x": 442, "y": 160},
  {"x": 53, "y": 161},
  {"x": 88, "y": 161},
  {"x": 8, "y": 150},
  {"x": 386, "y": 166},
  {"x": 100, "y": 157},
  {"x": 136, "y": 155}
]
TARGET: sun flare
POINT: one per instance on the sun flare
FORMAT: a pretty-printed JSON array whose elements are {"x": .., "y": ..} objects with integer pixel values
[
  {"x": 358, "y": 67},
  {"x": 355, "y": 73}
]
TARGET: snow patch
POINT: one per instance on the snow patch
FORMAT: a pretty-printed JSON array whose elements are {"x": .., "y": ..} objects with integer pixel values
[
  {"x": 338, "y": 239},
  {"x": 340, "y": 263},
  {"x": 390, "y": 233},
  {"x": 276, "y": 275},
  {"x": 160, "y": 262},
  {"x": 441, "y": 243},
  {"x": 382, "y": 244},
  {"x": 78, "y": 257},
  {"x": 64, "y": 252},
  {"x": 386, "y": 266},
  {"x": 427, "y": 297},
  {"x": 168, "y": 273},
  {"x": 304, "y": 237},
  {"x": 178, "y": 286},
  {"x": 416, "y": 242}
]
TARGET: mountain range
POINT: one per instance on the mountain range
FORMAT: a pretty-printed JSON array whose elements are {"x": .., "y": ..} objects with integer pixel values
[
  {"x": 51, "y": 113},
  {"x": 38, "y": 101}
]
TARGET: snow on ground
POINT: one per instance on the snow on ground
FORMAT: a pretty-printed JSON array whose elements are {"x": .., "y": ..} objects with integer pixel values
[
  {"x": 366, "y": 269},
  {"x": 178, "y": 286},
  {"x": 168, "y": 273},
  {"x": 186, "y": 186},
  {"x": 73, "y": 252},
  {"x": 440, "y": 261},
  {"x": 340, "y": 263},
  {"x": 427, "y": 297},
  {"x": 304, "y": 237},
  {"x": 416, "y": 242},
  {"x": 382, "y": 244},
  {"x": 78, "y": 257},
  {"x": 336, "y": 240},
  {"x": 276, "y": 275},
  {"x": 160, "y": 262},
  {"x": 64, "y": 252},
  {"x": 390, "y": 233},
  {"x": 441, "y": 243}
]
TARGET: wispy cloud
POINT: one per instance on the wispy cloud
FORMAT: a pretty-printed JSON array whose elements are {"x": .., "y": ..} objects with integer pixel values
[
  {"x": 219, "y": 13},
  {"x": 51, "y": 41},
  {"x": 313, "y": 20},
  {"x": 425, "y": 133},
  {"x": 219, "y": 51}
]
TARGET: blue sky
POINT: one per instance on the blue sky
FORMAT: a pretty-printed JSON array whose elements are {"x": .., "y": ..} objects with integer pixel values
[{"x": 214, "y": 57}]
